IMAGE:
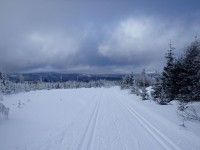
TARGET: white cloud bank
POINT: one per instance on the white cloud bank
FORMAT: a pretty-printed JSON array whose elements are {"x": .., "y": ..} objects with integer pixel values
[
  {"x": 52, "y": 48},
  {"x": 40, "y": 49},
  {"x": 144, "y": 41}
]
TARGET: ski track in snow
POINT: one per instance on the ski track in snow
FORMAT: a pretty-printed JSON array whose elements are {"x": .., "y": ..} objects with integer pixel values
[
  {"x": 88, "y": 137},
  {"x": 107, "y": 120},
  {"x": 60, "y": 141},
  {"x": 121, "y": 140},
  {"x": 159, "y": 136}
]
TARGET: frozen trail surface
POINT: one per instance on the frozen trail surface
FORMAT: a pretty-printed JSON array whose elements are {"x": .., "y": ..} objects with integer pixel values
[{"x": 105, "y": 119}]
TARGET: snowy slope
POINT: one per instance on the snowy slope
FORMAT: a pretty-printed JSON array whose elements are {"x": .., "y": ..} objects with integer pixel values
[{"x": 92, "y": 119}]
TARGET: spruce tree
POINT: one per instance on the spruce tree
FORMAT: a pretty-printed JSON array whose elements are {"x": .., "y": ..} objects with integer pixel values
[
  {"x": 157, "y": 87},
  {"x": 144, "y": 93},
  {"x": 167, "y": 77},
  {"x": 4, "y": 83},
  {"x": 179, "y": 82},
  {"x": 134, "y": 87},
  {"x": 191, "y": 66},
  {"x": 131, "y": 79},
  {"x": 197, "y": 67},
  {"x": 127, "y": 81},
  {"x": 124, "y": 83}
]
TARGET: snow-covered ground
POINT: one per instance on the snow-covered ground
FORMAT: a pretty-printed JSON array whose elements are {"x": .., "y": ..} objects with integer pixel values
[{"x": 93, "y": 119}]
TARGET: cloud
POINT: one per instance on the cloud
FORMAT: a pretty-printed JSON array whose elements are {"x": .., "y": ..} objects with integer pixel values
[
  {"x": 52, "y": 48},
  {"x": 37, "y": 49},
  {"x": 92, "y": 36},
  {"x": 143, "y": 41}
]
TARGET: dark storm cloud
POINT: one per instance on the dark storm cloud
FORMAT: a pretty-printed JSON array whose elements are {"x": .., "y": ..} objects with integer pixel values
[{"x": 93, "y": 36}]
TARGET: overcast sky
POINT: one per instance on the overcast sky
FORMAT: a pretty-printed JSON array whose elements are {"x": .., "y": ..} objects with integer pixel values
[{"x": 94, "y": 36}]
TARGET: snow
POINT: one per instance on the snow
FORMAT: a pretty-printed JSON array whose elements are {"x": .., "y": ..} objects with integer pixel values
[{"x": 93, "y": 119}]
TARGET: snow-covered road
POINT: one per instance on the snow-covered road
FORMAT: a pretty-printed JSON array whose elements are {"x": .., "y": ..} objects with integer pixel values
[{"x": 92, "y": 119}]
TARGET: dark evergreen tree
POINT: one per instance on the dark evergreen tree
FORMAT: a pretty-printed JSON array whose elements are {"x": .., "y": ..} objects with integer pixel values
[
  {"x": 167, "y": 77},
  {"x": 180, "y": 78},
  {"x": 5, "y": 84},
  {"x": 197, "y": 67},
  {"x": 144, "y": 93},
  {"x": 190, "y": 76},
  {"x": 131, "y": 79},
  {"x": 178, "y": 74},
  {"x": 157, "y": 87}
]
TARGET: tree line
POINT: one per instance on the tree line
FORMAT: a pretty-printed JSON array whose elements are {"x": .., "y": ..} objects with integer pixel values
[{"x": 180, "y": 78}]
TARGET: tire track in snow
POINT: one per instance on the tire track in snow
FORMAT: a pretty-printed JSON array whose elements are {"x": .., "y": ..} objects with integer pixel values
[
  {"x": 88, "y": 136},
  {"x": 159, "y": 136}
]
